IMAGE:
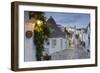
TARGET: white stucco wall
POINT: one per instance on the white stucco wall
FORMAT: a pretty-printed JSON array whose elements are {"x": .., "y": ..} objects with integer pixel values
[
  {"x": 87, "y": 46},
  {"x": 29, "y": 50},
  {"x": 29, "y": 47},
  {"x": 58, "y": 47}
]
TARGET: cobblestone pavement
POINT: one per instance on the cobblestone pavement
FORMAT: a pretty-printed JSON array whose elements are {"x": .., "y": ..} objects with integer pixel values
[{"x": 71, "y": 54}]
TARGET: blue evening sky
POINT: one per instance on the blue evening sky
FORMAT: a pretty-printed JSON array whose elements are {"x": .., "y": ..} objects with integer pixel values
[{"x": 79, "y": 20}]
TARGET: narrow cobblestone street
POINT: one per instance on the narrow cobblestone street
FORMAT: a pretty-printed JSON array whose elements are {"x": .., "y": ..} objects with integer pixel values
[{"x": 75, "y": 53}]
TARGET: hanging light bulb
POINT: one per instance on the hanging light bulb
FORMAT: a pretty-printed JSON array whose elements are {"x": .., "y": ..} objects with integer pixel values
[{"x": 39, "y": 22}]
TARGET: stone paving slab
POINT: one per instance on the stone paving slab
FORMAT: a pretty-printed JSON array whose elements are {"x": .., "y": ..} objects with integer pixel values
[{"x": 67, "y": 54}]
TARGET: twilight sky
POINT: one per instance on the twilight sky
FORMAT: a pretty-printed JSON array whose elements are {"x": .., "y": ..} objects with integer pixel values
[{"x": 70, "y": 19}]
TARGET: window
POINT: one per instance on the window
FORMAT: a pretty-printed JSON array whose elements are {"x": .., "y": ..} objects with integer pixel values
[
  {"x": 48, "y": 43},
  {"x": 53, "y": 43}
]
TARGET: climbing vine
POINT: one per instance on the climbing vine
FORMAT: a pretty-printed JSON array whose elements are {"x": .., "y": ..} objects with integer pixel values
[{"x": 41, "y": 32}]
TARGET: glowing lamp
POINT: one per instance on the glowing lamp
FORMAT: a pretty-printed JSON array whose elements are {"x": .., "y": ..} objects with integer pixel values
[{"x": 39, "y": 22}]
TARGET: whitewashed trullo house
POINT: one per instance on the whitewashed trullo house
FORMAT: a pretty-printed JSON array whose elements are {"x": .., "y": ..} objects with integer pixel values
[{"x": 57, "y": 40}]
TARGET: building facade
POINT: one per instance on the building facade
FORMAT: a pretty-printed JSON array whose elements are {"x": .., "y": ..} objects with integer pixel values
[{"x": 57, "y": 40}]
